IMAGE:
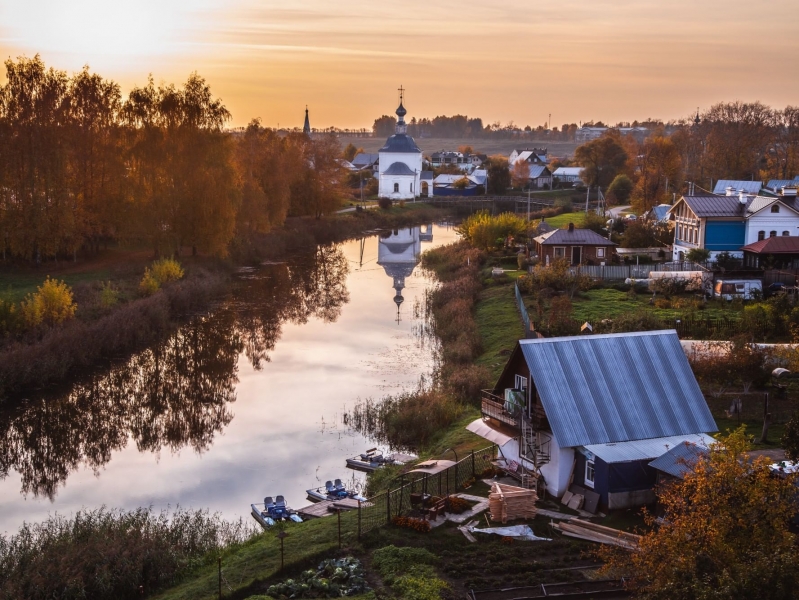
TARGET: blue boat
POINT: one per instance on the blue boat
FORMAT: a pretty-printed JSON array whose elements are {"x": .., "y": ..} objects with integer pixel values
[
  {"x": 274, "y": 511},
  {"x": 332, "y": 491}
]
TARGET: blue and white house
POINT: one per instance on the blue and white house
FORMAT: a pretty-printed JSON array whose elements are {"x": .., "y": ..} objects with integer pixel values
[{"x": 727, "y": 223}]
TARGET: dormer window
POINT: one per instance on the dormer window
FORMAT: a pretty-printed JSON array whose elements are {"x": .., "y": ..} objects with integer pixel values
[{"x": 775, "y": 208}]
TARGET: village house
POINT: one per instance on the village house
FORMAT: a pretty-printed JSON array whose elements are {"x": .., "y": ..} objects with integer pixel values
[
  {"x": 567, "y": 175},
  {"x": 732, "y": 187},
  {"x": 367, "y": 160},
  {"x": 587, "y": 414},
  {"x": 779, "y": 252},
  {"x": 534, "y": 156},
  {"x": 579, "y": 246},
  {"x": 727, "y": 223},
  {"x": 463, "y": 160},
  {"x": 539, "y": 177}
]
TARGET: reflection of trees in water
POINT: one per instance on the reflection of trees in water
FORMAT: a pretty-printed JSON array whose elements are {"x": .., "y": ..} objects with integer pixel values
[
  {"x": 174, "y": 394},
  {"x": 314, "y": 285}
]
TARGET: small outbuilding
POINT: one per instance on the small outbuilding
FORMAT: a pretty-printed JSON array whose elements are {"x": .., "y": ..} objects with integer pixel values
[{"x": 578, "y": 246}]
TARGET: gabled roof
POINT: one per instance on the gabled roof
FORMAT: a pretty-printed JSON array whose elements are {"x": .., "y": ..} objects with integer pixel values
[
  {"x": 576, "y": 237},
  {"x": 781, "y": 244},
  {"x": 713, "y": 206},
  {"x": 398, "y": 168},
  {"x": 680, "y": 460},
  {"x": 598, "y": 389},
  {"x": 537, "y": 171},
  {"x": 776, "y": 184},
  {"x": 763, "y": 202},
  {"x": 659, "y": 212},
  {"x": 750, "y": 187},
  {"x": 365, "y": 159},
  {"x": 567, "y": 171}
]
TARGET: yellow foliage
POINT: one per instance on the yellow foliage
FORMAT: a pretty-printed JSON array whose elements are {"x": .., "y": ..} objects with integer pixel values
[
  {"x": 108, "y": 295},
  {"x": 50, "y": 305},
  {"x": 485, "y": 231},
  {"x": 160, "y": 272}
]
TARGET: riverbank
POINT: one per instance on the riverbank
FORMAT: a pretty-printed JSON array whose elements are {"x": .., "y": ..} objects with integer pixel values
[{"x": 100, "y": 334}]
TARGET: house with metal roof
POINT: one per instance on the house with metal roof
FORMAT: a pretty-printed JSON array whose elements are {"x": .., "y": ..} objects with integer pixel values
[
  {"x": 567, "y": 175},
  {"x": 594, "y": 411},
  {"x": 727, "y": 223},
  {"x": 578, "y": 246},
  {"x": 778, "y": 252},
  {"x": 366, "y": 160},
  {"x": 536, "y": 156},
  {"x": 681, "y": 459}
]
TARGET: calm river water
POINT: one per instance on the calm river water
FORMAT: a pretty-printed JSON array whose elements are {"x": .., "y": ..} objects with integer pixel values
[{"x": 243, "y": 402}]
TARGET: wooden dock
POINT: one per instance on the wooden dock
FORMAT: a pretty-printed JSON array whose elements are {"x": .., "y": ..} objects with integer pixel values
[{"x": 325, "y": 508}]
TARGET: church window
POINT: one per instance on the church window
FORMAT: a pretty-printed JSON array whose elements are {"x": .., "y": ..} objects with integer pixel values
[
  {"x": 786, "y": 233},
  {"x": 772, "y": 234},
  {"x": 761, "y": 235},
  {"x": 396, "y": 187},
  {"x": 775, "y": 208}
]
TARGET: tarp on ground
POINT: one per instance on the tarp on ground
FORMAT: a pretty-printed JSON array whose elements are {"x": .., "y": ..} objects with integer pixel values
[{"x": 520, "y": 532}]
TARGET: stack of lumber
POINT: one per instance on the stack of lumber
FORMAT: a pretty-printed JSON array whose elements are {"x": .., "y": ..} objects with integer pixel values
[
  {"x": 585, "y": 530},
  {"x": 508, "y": 503}
]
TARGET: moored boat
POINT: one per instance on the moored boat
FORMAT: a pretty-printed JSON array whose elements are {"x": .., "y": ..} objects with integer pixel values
[
  {"x": 332, "y": 491},
  {"x": 373, "y": 459},
  {"x": 274, "y": 511}
]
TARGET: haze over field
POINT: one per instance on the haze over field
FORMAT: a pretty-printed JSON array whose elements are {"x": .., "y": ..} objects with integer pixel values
[{"x": 578, "y": 59}]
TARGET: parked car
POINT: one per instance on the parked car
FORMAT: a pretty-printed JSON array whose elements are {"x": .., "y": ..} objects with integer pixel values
[{"x": 775, "y": 288}]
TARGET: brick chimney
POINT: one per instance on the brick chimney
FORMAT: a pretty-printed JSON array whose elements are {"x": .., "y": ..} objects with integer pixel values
[{"x": 571, "y": 227}]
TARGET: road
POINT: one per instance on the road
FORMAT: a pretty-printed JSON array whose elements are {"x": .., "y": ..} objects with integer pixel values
[{"x": 616, "y": 211}]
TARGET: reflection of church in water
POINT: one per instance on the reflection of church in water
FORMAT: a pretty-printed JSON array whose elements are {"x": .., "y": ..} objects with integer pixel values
[{"x": 398, "y": 252}]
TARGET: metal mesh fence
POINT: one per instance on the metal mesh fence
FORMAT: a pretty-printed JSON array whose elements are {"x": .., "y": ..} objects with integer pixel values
[{"x": 378, "y": 510}]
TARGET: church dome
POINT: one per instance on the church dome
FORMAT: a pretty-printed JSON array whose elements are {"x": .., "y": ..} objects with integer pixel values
[
  {"x": 401, "y": 112},
  {"x": 400, "y": 142}
]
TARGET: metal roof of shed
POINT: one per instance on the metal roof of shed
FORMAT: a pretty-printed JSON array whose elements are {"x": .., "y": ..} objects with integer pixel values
[
  {"x": 680, "y": 459},
  {"x": 617, "y": 452},
  {"x": 616, "y": 387}
]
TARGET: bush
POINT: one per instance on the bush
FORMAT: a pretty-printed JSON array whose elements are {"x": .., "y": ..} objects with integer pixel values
[
  {"x": 109, "y": 296},
  {"x": 384, "y": 203},
  {"x": 51, "y": 305},
  {"x": 486, "y": 232},
  {"x": 160, "y": 272},
  {"x": 11, "y": 319},
  {"x": 333, "y": 578}
]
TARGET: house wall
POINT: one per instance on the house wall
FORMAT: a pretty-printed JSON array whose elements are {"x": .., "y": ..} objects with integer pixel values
[
  {"x": 558, "y": 470},
  {"x": 629, "y": 484},
  {"x": 724, "y": 236},
  {"x": 588, "y": 254},
  {"x": 766, "y": 221}
]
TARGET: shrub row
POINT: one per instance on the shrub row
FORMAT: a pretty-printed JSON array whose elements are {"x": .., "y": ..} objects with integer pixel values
[{"x": 81, "y": 344}]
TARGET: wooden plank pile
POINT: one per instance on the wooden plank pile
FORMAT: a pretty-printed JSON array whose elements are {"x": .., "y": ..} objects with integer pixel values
[
  {"x": 508, "y": 502},
  {"x": 586, "y": 530}
]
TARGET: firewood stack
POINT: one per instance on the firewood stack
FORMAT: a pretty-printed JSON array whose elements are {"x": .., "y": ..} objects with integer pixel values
[{"x": 508, "y": 503}]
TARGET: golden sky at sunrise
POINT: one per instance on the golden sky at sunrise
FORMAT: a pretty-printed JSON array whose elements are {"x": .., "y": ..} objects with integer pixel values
[{"x": 576, "y": 59}]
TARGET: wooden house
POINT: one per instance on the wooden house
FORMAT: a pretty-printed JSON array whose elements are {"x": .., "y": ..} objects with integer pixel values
[
  {"x": 578, "y": 246},
  {"x": 594, "y": 411}
]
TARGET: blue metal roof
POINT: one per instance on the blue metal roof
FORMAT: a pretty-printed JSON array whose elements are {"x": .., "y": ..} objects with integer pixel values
[
  {"x": 617, "y": 387},
  {"x": 399, "y": 168},
  {"x": 400, "y": 142},
  {"x": 680, "y": 459},
  {"x": 750, "y": 187},
  {"x": 635, "y": 450}
]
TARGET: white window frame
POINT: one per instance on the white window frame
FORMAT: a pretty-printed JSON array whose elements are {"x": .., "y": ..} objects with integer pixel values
[
  {"x": 590, "y": 469},
  {"x": 520, "y": 382},
  {"x": 396, "y": 188},
  {"x": 562, "y": 252},
  {"x": 600, "y": 252}
]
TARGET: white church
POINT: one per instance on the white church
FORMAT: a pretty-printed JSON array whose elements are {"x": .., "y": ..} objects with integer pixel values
[{"x": 400, "y": 164}]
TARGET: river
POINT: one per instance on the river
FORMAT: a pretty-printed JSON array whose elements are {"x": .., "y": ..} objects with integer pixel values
[{"x": 240, "y": 403}]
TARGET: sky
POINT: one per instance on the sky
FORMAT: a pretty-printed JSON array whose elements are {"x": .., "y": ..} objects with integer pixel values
[{"x": 518, "y": 61}]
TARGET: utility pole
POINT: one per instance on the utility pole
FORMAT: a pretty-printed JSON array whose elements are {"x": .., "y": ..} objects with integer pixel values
[
  {"x": 587, "y": 195},
  {"x": 528, "y": 202}
]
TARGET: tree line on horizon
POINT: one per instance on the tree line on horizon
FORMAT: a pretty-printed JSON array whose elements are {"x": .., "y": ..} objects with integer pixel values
[{"x": 80, "y": 167}]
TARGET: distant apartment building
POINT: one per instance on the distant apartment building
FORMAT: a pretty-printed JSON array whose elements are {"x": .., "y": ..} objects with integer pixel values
[{"x": 586, "y": 134}]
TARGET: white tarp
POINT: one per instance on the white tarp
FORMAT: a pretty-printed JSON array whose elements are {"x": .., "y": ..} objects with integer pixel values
[
  {"x": 521, "y": 532},
  {"x": 484, "y": 430}
]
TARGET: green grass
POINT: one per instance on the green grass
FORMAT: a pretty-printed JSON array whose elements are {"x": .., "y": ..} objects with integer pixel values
[
  {"x": 258, "y": 562},
  {"x": 564, "y": 219},
  {"x": 15, "y": 286},
  {"x": 500, "y": 326},
  {"x": 754, "y": 429},
  {"x": 607, "y": 303}
]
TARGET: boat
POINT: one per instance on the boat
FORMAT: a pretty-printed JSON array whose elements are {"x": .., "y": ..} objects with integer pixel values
[
  {"x": 332, "y": 491},
  {"x": 373, "y": 459},
  {"x": 274, "y": 511}
]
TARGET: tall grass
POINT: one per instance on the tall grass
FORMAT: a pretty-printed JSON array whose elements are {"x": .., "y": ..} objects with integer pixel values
[{"x": 104, "y": 553}]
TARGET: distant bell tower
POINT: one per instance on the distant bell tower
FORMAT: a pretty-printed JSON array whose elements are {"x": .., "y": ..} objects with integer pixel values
[{"x": 306, "y": 128}]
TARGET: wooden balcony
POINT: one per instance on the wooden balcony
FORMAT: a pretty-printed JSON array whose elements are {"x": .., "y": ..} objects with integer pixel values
[{"x": 493, "y": 407}]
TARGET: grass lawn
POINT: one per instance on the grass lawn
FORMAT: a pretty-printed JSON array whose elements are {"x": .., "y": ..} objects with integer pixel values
[
  {"x": 607, "y": 303},
  {"x": 500, "y": 326},
  {"x": 560, "y": 221}
]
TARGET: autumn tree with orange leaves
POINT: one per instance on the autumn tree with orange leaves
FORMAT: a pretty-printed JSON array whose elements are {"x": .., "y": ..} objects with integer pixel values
[{"x": 724, "y": 532}]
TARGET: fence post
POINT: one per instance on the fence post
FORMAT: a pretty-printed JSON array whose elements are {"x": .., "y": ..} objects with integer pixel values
[
  {"x": 359, "y": 520},
  {"x": 388, "y": 506}
]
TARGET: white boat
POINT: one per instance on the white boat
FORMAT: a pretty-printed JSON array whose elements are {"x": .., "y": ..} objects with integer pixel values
[
  {"x": 332, "y": 491},
  {"x": 274, "y": 511}
]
